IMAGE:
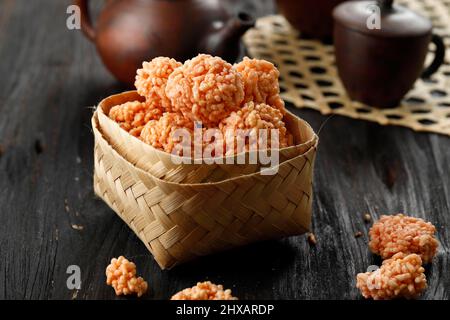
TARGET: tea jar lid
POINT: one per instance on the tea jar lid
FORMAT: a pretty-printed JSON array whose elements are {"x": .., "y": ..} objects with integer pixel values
[{"x": 381, "y": 18}]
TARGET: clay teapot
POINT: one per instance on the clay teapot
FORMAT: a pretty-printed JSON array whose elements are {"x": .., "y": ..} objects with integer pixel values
[
  {"x": 378, "y": 62},
  {"x": 313, "y": 18},
  {"x": 129, "y": 32}
]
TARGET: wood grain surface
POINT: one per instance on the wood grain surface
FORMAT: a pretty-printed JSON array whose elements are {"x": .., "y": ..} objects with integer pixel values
[{"x": 50, "y": 77}]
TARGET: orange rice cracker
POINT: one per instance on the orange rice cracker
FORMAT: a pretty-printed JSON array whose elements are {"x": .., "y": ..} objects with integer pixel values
[
  {"x": 132, "y": 116},
  {"x": 205, "y": 89},
  {"x": 261, "y": 82},
  {"x": 401, "y": 276},
  {"x": 400, "y": 233},
  {"x": 151, "y": 80},
  {"x": 161, "y": 133},
  {"x": 204, "y": 291},
  {"x": 254, "y": 117},
  {"x": 121, "y": 275}
]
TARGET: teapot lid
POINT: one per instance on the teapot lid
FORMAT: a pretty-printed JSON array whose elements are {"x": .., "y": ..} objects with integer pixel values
[{"x": 382, "y": 18}]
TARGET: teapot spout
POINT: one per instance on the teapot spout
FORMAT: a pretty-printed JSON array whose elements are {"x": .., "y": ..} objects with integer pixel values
[
  {"x": 237, "y": 26},
  {"x": 225, "y": 42}
]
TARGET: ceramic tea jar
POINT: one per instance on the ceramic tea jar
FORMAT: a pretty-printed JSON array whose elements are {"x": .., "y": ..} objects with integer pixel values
[
  {"x": 381, "y": 49},
  {"x": 313, "y": 18},
  {"x": 128, "y": 32}
]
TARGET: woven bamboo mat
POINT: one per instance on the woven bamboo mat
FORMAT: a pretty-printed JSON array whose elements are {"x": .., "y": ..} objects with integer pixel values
[{"x": 309, "y": 77}]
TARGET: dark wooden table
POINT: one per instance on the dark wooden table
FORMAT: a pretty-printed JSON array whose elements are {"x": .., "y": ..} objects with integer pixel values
[{"x": 51, "y": 77}]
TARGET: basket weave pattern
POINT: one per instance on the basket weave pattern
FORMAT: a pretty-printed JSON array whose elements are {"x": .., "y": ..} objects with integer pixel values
[{"x": 179, "y": 222}]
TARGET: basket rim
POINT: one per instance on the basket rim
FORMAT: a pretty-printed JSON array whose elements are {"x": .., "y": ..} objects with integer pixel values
[
  {"x": 100, "y": 108},
  {"x": 98, "y": 134}
]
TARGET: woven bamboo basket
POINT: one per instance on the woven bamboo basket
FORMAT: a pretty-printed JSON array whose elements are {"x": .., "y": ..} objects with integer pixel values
[
  {"x": 161, "y": 164},
  {"x": 179, "y": 222}
]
